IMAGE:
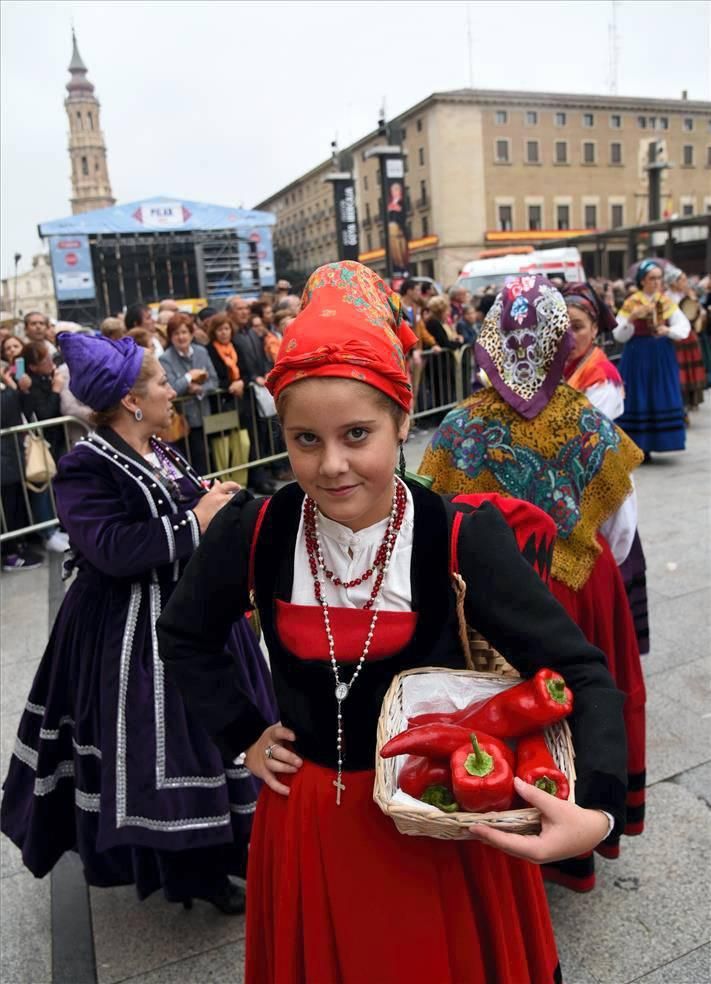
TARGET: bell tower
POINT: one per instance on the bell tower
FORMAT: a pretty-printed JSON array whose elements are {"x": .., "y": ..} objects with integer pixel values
[{"x": 91, "y": 187}]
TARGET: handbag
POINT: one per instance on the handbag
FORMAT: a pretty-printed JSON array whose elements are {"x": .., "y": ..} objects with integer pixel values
[
  {"x": 40, "y": 466},
  {"x": 264, "y": 401},
  {"x": 178, "y": 430}
]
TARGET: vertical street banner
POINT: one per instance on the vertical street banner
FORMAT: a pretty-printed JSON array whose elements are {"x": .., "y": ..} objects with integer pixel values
[
  {"x": 346, "y": 218},
  {"x": 392, "y": 171},
  {"x": 71, "y": 268}
]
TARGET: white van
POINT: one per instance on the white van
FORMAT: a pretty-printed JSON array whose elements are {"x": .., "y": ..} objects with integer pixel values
[{"x": 565, "y": 262}]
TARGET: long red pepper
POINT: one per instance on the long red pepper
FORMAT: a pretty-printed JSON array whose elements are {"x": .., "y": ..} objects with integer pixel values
[
  {"x": 529, "y": 706},
  {"x": 482, "y": 779},
  {"x": 435, "y": 741},
  {"x": 535, "y": 765}
]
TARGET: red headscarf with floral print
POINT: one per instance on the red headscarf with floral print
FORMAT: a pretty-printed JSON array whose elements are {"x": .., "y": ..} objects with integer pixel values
[{"x": 350, "y": 326}]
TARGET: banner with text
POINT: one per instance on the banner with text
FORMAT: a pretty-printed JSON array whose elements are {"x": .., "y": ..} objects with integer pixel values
[
  {"x": 392, "y": 169},
  {"x": 346, "y": 219},
  {"x": 71, "y": 268}
]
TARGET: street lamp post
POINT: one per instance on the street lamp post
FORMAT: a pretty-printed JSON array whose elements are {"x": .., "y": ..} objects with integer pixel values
[{"x": 18, "y": 257}]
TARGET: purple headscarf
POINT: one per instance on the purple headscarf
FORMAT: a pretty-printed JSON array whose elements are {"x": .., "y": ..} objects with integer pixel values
[
  {"x": 101, "y": 371},
  {"x": 524, "y": 343},
  {"x": 583, "y": 296}
]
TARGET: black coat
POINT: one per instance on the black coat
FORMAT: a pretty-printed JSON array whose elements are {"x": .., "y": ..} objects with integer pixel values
[{"x": 253, "y": 360}]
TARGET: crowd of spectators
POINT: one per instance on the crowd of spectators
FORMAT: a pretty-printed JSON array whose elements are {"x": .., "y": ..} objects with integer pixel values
[{"x": 218, "y": 361}]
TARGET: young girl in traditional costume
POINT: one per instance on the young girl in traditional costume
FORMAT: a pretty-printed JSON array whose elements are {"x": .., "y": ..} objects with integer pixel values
[
  {"x": 350, "y": 569},
  {"x": 588, "y": 370}
]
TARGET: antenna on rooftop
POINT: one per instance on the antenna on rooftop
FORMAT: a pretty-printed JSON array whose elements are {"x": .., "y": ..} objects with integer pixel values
[{"x": 613, "y": 48}]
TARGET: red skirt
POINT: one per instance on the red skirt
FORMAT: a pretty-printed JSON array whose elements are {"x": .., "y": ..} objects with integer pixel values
[
  {"x": 338, "y": 896},
  {"x": 601, "y": 610},
  {"x": 692, "y": 371}
]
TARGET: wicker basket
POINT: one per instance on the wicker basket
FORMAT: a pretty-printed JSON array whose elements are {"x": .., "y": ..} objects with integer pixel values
[{"x": 425, "y": 821}]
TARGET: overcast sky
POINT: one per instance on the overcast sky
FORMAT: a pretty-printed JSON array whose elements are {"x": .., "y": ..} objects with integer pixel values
[{"x": 225, "y": 102}]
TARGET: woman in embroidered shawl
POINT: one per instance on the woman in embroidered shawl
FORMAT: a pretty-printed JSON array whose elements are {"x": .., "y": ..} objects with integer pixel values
[
  {"x": 648, "y": 323},
  {"x": 590, "y": 371},
  {"x": 336, "y": 893},
  {"x": 107, "y": 761},
  {"x": 530, "y": 435},
  {"x": 689, "y": 355}
]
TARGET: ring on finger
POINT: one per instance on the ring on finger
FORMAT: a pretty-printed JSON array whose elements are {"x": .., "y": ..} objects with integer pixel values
[{"x": 268, "y": 751}]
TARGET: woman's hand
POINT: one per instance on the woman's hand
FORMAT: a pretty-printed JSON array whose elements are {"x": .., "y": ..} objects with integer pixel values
[
  {"x": 237, "y": 387},
  {"x": 280, "y": 760},
  {"x": 641, "y": 311},
  {"x": 24, "y": 383},
  {"x": 194, "y": 389},
  {"x": 567, "y": 830},
  {"x": 211, "y": 503},
  {"x": 57, "y": 382},
  {"x": 8, "y": 379},
  {"x": 198, "y": 375}
]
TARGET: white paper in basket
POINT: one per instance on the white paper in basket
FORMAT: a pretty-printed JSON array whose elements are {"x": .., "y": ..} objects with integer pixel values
[{"x": 425, "y": 693}]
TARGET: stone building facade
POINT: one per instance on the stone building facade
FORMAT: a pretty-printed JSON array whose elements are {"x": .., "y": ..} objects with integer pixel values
[
  {"x": 493, "y": 169},
  {"x": 91, "y": 187},
  {"x": 34, "y": 289}
]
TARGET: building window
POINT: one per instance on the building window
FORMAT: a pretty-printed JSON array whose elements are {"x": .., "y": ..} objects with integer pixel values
[
  {"x": 403, "y": 134},
  {"x": 367, "y": 211},
  {"x": 365, "y": 182},
  {"x": 406, "y": 165},
  {"x": 652, "y": 122},
  {"x": 502, "y": 116},
  {"x": 79, "y": 126},
  {"x": 561, "y": 152},
  {"x": 423, "y": 192},
  {"x": 688, "y": 124},
  {"x": 421, "y": 155},
  {"x": 591, "y": 216},
  {"x": 505, "y": 218},
  {"x": 532, "y": 155},
  {"x": 617, "y": 216},
  {"x": 687, "y": 208},
  {"x": 425, "y": 226},
  {"x": 708, "y": 156},
  {"x": 502, "y": 151},
  {"x": 369, "y": 240},
  {"x": 534, "y": 217},
  {"x": 90, "y": 117},
  {"x": 84, "y": 167},
  {"x": 616, "y": 121},
  {"x": 688, "y": 155},
  {"x": 562, "y": 216},
  {"x": 615, "y": 153},
  {"x": 663, "y": 122},
  {"x": 642, "y": 122},
  {"x": 561, "y": 119},
  {"x": 588, "y": 152},
  {"x": 531, "y": 117},
  {"x": 588, "y": 119},
  {"x": 419, "y": 126}
]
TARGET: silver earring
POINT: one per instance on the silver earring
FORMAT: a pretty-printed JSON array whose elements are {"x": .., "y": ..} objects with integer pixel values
[
  {"x": 402, "y": 466},
  {"x": 138, "y": 414}
]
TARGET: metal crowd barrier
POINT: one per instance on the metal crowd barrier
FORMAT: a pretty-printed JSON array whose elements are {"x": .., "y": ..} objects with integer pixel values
[
  {"x": 439, "y": 383},
  {"x": 39, "y": 507}
]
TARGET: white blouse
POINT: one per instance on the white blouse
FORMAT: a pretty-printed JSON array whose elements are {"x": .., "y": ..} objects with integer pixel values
[{"x": 349, "y": 555}]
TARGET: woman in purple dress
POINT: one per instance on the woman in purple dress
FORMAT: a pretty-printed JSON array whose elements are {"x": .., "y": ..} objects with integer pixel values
[{"x": 108, "y": 761}]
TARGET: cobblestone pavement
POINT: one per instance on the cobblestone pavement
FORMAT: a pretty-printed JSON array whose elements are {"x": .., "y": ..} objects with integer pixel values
[{"x": 647, "y": 921}]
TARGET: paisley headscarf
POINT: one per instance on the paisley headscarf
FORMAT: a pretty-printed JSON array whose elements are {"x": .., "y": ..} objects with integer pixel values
[
  {"x": 350, "y": 326},
  {"x": 524, "y": 343}
]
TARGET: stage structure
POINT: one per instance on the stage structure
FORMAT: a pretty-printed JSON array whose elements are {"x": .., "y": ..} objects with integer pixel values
[{"x": 160, "y": 247}]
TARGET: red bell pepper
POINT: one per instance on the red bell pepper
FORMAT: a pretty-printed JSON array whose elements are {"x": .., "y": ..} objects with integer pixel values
[
  {"x": 441, "y": 797},
  {"x": 435, "y": 741},
  {"x": 482, "y": 778},
  {"x": 528, "y": 707},
  {"x": 535, "y": 765},
  {"x": 418, "y": 774}
]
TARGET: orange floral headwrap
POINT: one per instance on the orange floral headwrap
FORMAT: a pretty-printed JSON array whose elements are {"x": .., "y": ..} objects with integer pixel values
[{"x": 349, "y": 326}]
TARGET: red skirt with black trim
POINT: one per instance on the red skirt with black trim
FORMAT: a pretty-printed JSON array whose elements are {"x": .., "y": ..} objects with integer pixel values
[
  {"x": 338, "y": 896},
  {"x": 601, "y": 610},
  {"x": 692, "y": 370}
]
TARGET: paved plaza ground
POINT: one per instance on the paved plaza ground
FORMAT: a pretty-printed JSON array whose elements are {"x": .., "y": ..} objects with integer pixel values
[{"x": 649, "y": 919}]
